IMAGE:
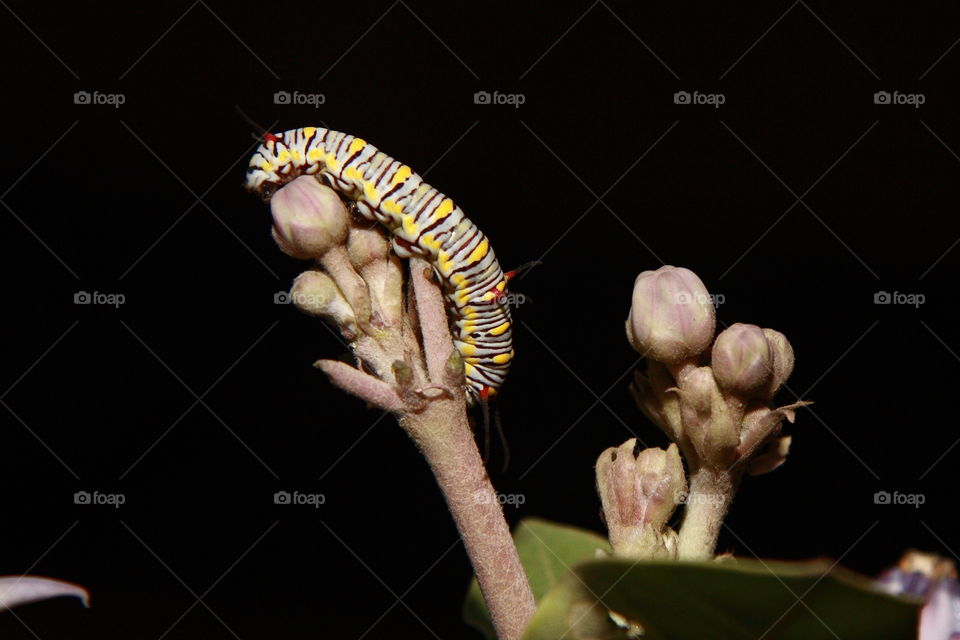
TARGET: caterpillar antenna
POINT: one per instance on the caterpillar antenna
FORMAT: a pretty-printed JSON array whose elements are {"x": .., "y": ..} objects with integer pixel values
[{"x": 253, "y": 123}]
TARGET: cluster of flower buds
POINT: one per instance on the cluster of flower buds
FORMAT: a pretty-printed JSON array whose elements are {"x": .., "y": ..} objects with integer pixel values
[
  {"x": 639, "y": 493},
  {"x": 713, "y": 400},
  {"x": 357, "y": 285},
  {"x": 934, "y": 579}
]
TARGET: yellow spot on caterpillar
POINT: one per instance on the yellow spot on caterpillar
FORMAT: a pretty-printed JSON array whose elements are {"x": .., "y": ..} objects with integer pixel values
[
  {"x": 352, "y": 173},
  {"x": 467, "y": 349},
  {"x": 480, "y": 251},
  {"x": 357, "y": 144},
  {"x": 402, "y": 174},
  {"x": 503, "y": 358},
  {"x": 499, "y": 329},
  {"x": 463, "y": 297},
  {"x": 443, "y": 210},
  {"x": 469, "y": 369},
  {"x": 430, "y": 242},
  {"x": 501, "y": 285},
  {"x": 391, "y": 206},
  {"x": 468, "y": 327},
  {"x": 315, "y": 155},
  {"x": 409, "y": 226},
  {"x": 469, "y": 313},
  {"x": 283, "y": 157},
  {"x": 444, "y": 262},
  {"x": 309, "y": 131},
  {"x": 332, "y": 163},
  {"x": 458, "y": 279},
  {"x": 371, "y": 192}
]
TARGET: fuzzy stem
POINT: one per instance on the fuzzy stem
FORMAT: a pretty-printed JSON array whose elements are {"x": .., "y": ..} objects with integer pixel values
[
  {"x": 444, "y": 436},
  {"x": 711, "y": 493}
]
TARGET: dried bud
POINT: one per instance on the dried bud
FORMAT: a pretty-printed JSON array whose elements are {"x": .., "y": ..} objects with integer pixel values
[
  {"x": 672, "y": 317},
  {"x": 773, "y": 454},
  {"x": 741, "y": 360},
  {"x": 655, "y": 395},
  {"x": 708, "y": 421},
  {"x": 315, "y": 294},
  {"x": 781, "y": 352},
  {"x": 308, "y": 218},
  {"x": 638, "y": 494}
]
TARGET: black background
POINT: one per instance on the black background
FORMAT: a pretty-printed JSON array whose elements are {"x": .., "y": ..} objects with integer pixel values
[{"x": 145, "y": 200}]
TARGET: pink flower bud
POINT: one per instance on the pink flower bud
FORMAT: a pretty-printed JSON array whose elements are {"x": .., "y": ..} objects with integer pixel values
[
  {"x": 782, "y": 354},
  {"x": 308, "y": 218},
  {"x": 741, "y": 360},
  {"x": 672, "y": 317}
]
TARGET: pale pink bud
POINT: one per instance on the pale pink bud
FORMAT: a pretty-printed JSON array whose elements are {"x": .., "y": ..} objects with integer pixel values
[
  {"x": 308, "y": 218},
  {"x": 741, "y": 360},
  {"x": 672, "y": 317},
  {"x": 781, "y": 352}
]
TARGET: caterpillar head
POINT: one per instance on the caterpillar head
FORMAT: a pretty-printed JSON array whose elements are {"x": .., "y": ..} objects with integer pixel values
[{"x": 269, "y": 167}]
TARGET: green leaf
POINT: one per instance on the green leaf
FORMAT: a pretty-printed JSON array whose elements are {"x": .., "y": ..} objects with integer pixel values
[
  {"x": 547, "y": 550},
  {"x": 735, "y": 600}
]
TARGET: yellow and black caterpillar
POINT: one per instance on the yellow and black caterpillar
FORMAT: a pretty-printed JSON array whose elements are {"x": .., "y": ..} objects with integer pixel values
[{"x": 422, "y": 221}]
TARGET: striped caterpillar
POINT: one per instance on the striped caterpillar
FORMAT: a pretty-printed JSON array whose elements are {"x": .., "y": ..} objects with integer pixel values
[{"x": 423, "y": 222}]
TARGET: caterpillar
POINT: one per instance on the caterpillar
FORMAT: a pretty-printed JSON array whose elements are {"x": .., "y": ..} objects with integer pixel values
[{"x": 423, "y": 222}]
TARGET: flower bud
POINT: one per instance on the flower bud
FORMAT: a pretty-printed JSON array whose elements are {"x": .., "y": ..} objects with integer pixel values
[
  {"x": 366, "y": 246},
  {"x": 781, "y": 352},
  {"x": 672, "y": 317},
  {"x": 741, "y": 360},
  {"x": 308, "y": 218},
  {"x": 315, "y": 294},
  {"x": 638, "y": 494},
  {"x": 709, "y": 423}
]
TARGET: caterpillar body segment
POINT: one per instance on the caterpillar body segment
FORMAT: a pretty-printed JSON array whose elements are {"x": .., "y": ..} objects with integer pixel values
[{"x": 423, "y": 222}]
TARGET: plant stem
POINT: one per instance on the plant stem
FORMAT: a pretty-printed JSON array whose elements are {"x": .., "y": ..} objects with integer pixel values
[
  {"x": 446, "y": 440},
  {"x": 711, "y": 493}
]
